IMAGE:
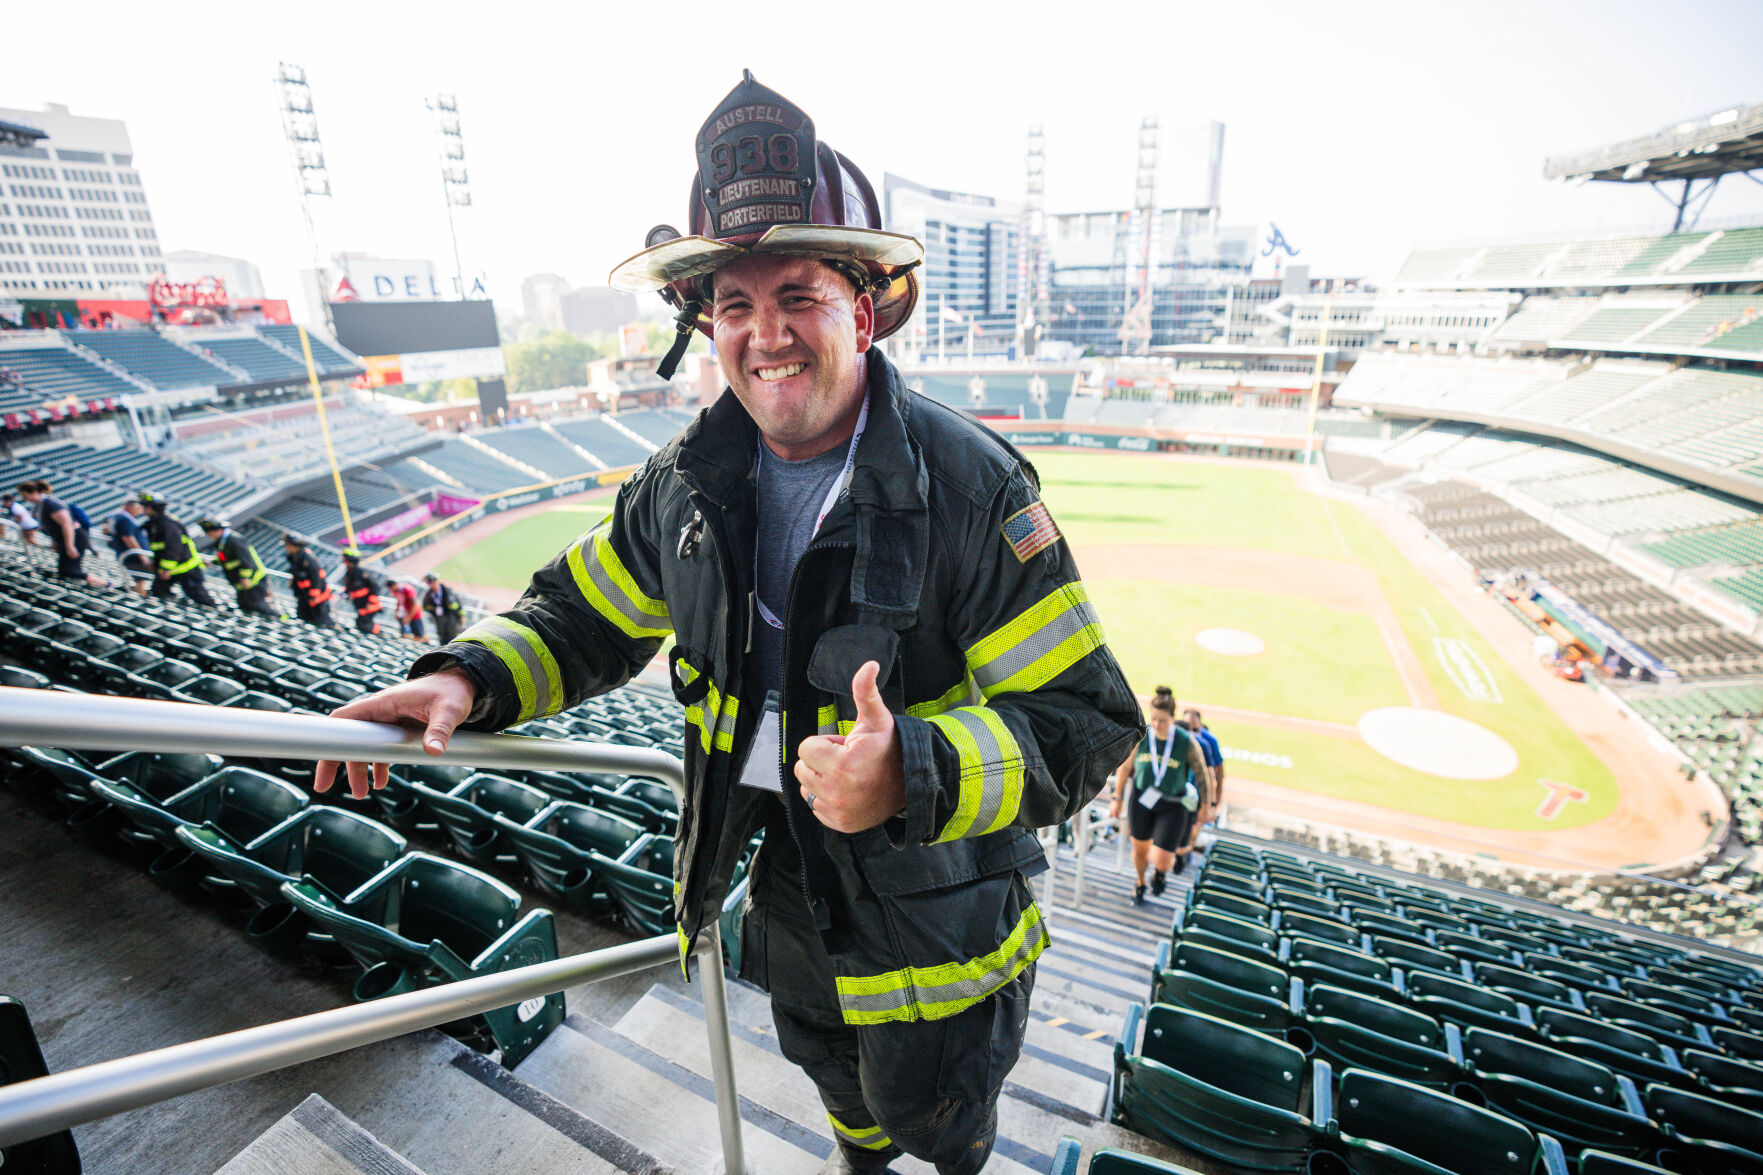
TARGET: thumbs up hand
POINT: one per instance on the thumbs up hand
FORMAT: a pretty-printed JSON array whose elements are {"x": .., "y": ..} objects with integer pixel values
[{"x": 855, "y": 781}]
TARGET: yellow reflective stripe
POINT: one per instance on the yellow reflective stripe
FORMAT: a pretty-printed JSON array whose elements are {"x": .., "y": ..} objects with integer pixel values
[
  {"x": 715, "y": 716},
  {"x": 685, "y": 948},
  {"x": 831, "y": 723},
  {"x": 989, "y": 789},
  {"x": 935, "y": 993},
  {"x": 1042, "y": 642},
  {"x": 961, "y": 691},
  {"x": 868, "y": 1137},
  {"x": 610, "y": 589},
  {"x": 537, "y": 679}
]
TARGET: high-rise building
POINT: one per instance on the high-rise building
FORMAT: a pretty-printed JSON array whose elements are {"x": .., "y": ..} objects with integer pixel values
[
  {"x": 541, "y": 299},
  {"x": 970, "y": 254},
  {"x": 597, "y": 308},
  {"x": 73, "y": 215}
]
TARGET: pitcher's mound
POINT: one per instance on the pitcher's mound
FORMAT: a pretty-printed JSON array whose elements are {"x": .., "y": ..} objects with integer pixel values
[
  {"x": 1230, "y": 642},
  {"x": 1437, "y": 743}
]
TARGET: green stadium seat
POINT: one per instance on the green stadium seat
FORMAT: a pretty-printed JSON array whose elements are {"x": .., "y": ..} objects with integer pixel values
[
  {"x": 1297, "y": 902},
  {"x": 1672, "y": 1029},
  {"x": 1215, "y": 1088},
  {"x": 82, "y": 657},
  {"x": 423, "y": 920},
  {"x": 1578, "y": 1102},
  {"x": 1636, "y": 1056},
  {"x": 1227, "y": 882},
  {"x": 18, "y": 677},
  {"x": 1320, "y": 962},
  {"x": 401, "y": 805},
  {"x": 1246, "y": 974},
  {"x": 1471, "y": 949},
  {"x": 1321, "y": 929},
  {"x": 1236, "y": 929},
  {"x": 1467, "y": 1005},
  {"x": 1534, "y": 990},
  {"x": 633, "y": 808},
  {"x": 21, "y": 1059},
  {"x": 641, "y": 883},
  {"x": 1239, "y": 946},
  {"x": 1735, "y": 1081},
  {"x": 467, "y": 814},
  {"x": 1603, "y": 1163},
  {"x": 1721, "y": 1139},
  {"x": 1746, "y": 1046},
  {"x": 297, "y": 683},
  {"x": 1570, "y": 973},
  {"x": 1387, "y": 1126},
  {"x": 333, "y": 848},
  {"x": 159, "y": 679},
  {"x": 241, "y": 803},
  {"x": 1351, "y": 1029},
  {"x": 207, "y": 689},
  {"x": 1387, "y": 926},
  {"x": 70, "y": 780},
  {"x": 1412, "y": 956},
  {"x": 1248, "y": 909},
  {"x": 653, "y": 792},
  {"x": 1677, "y": 1000},
  {"x": 117, "y": 671},
  {"x": 558, "y": 847}
]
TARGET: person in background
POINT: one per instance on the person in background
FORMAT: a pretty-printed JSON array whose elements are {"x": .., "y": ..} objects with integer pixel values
[
  {"x": 243, "y": 567},
  {"x": 440, "y": 601},
  {"x": 1215, "y": 761},
  {"x": 177, "y": 562},
  {"x": 312, "y": 593},
  {"x": 21, "y": 516},
  {"x": 363, "y": 589},
  {"x": 127, "y": 535},
  {"x": 68, "y": 528},
  {"x": 408, "y": 602},
  {"x": 1160, "y": 788}
]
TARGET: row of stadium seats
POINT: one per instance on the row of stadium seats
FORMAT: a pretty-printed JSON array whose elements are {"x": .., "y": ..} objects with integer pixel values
[
  {"x": 1304, "y": 1009},
  {"x": 157, "y": 359},
  {"x": 1733, "y": 254}
]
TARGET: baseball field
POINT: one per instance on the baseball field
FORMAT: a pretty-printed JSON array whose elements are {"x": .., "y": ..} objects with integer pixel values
[{"x": 1352, "y": 671}]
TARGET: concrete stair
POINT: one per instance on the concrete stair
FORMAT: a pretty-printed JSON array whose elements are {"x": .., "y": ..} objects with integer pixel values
[{"x": 316, "y": 1139}]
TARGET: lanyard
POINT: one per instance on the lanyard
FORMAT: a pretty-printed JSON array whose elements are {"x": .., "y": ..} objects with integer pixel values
[
  {"x": 826, "y": 507},
  {"x": 1159, "y": 769}
]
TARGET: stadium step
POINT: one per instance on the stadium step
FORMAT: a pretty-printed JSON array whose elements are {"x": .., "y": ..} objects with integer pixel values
[{"x": 316, "y": 1139}]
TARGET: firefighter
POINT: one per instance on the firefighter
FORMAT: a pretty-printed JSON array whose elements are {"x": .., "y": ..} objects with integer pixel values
[
  {"x": 887, "y": 660},
  {"x": 312, "y": 595},
  {"x": 441, "y": 602},
  {"x": 243, "y": 567},
  {"x": 176, "y": 561},
  {"x": 363, "y": 588}
]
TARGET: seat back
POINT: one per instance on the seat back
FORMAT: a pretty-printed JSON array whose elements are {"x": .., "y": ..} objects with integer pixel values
[
  {"x": 1293, "y": 924},
  {"x": 1411, "y": 955},
  {"x": 340, "y": 849},
  {"x": 519, "y": 802},
  {"x": 1233, "y": 904},
  {"x": 1109, "y": 1161},
  {"x": 1235, "y": 929},
  {"x": 1747, "y": 1046},
  {"x": 1532, "y": 987},
  {"x": 1433, "y": 1127},
  {"x": 1226, "y": 1056},
  {"x": 446, "y": 902},
  {"x": 160, "y": 775},
  {"x": 1625, "y": 1011},
  {"x": 1423, "y": 984},
  {"x": 641, "y": 883},
  {"x": 243, "y": 804},
  {"x": 1496, "y": 1052},
  {"x": 1374, "y": 1015},
  {"x": 1227, "y": 967},
  {"x": 1223, "y": 1000},
  {"x": 1338, "y": 958},
  {"x": 1713, "y": 1129}
]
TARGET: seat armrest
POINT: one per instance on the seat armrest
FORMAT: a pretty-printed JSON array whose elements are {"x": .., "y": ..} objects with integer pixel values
[
  {"x": 1551, "y": 1159},
  {"x": 1322, "y": 1096},
  {"x": 1631, "y": 1097},
  {"x": 1295, "y": 996},
  {"x": 1065, "y": 1157},
  {"x": 1468, "y": 970},
  {"x": 1671, "y": 1057},
  {"x": 1525, "y": 1016},
  {"x": 1576, "y": 999},
  {"x": 1162, "y": 963},
  {"x": 1285, "y": 950},
  {"x": 1454, "y": 1042},
  {"x": 1129, "y": 1031},
  {"x": 1399, "y": 979},
  {"x": 1703, "y": 1035}
]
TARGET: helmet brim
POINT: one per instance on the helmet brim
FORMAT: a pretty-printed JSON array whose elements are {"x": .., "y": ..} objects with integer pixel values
[{"x": 684, "y": 258}]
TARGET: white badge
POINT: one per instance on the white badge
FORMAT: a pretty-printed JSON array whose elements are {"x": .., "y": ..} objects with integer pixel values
[
  {"x": 764, "y": 766},
  {"x": 1150, "y": 797}
]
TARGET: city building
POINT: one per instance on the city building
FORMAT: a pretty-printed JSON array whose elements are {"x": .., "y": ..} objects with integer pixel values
[
  {"x": 243, "y": 281},
  {"x": 970, "y": 266},
  {"x": 73, "y": 215},
  {"x": 541, "y": 299},
  {"x": 592, "y": 309}
]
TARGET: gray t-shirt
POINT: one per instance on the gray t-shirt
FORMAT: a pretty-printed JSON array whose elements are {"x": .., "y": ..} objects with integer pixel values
[{"x": 789, "y": 499}]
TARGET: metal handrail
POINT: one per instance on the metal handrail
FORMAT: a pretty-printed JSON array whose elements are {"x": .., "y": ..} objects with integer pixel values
[{"x": 44, "y": 1105}]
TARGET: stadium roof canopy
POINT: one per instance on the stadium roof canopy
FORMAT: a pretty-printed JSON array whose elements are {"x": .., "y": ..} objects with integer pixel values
[
  {"x": 17, "y": 134},
  {"x": 1718, "y": 144}
]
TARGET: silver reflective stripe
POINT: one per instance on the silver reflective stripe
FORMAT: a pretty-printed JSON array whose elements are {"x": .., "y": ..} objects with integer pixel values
[
  {"x": 991, "y": 756},
  {"x": 609, "y": 588},
  {"x": 1037, "y": 644},
  {"x": 966, "y": 990},
  {"x": 517, "y": 639}
]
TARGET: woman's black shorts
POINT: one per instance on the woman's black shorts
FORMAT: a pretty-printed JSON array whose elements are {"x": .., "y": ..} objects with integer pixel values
[{"x": 1165, "y": 825}]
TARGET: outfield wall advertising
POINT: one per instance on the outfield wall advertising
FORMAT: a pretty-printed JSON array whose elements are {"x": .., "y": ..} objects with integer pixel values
[
  {"x": 507, "y": 500},
  {"x": 1138, "y": 440}
]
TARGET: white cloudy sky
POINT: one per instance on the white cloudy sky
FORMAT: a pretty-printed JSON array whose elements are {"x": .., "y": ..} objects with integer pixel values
[{"x": 1360, "y": 127}]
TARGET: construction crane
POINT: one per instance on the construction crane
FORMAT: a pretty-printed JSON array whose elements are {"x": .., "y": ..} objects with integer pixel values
[
  {"x": 1031, "y": 237},
  {"x": 1136, "y": 249}
]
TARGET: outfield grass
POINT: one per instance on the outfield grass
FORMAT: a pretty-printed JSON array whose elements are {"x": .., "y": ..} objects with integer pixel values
[
  {"x": 509, "y": 557},
  {"x": 1320, "y": 662}
]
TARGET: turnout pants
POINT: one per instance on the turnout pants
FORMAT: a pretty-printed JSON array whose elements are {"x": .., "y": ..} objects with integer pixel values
[
  {"x": 928, "y": 1087},
  {"x": 318, "y": 614},
  {"x": 192, "y": 583},
  {"x": 256, "y": 599},
  {"x": 367, "y": 622}
]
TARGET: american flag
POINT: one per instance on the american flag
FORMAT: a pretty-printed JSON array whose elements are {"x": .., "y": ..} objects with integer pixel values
[{"x": 1030, "y": 531}]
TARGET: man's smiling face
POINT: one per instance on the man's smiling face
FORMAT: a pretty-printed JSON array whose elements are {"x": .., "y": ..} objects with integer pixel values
[{"x": 790, "y": 335}]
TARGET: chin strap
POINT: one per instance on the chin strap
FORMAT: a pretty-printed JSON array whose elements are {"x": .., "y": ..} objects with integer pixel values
[{"x": 684, "y": 324}]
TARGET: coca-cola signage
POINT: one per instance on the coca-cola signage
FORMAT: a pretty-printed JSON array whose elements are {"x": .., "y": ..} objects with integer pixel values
[{"x": 207, "y": 292}]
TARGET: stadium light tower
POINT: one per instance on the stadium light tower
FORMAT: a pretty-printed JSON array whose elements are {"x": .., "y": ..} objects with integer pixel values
[
  {"x": 1140, "y": 238},
  {"x": 1031, "y": 248},
  {"x": 455, "y": 180},
  {"x": 312, "y": 178}
]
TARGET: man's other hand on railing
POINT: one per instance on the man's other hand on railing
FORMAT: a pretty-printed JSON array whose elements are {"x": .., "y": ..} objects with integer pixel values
[{"x": 437, "y": 703}]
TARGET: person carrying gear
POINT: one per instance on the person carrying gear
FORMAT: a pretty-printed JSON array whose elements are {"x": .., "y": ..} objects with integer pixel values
[
  {"x": 243, "y": 567},
  {"x": 176, "y": 561},
  {"x": 887, "y": 660},
  {"x": 129, "y": 541},
  {"x": 363, "y": 588},
  {"x": 441, "y": 602},
  {"x": 312, "y": 594}
]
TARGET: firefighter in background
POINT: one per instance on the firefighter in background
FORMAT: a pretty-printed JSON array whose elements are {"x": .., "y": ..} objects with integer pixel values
[
  {"x": 243, "y": 567},
  {"x": 440, "y": 601},
  {"x": 312, "y": 594},
  {"x": 176, "y": 561},
  {"x": 363, "y": 588}
]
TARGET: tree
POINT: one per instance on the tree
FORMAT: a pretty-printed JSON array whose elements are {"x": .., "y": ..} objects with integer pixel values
[{"x": 558, "y": 360}]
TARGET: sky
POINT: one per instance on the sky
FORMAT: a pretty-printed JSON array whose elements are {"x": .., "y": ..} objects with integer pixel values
[{"x": 1360, "y": 128}]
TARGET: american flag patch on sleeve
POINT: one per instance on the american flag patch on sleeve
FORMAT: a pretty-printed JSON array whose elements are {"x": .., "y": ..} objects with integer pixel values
[{"x": 1030, "y": 531}]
